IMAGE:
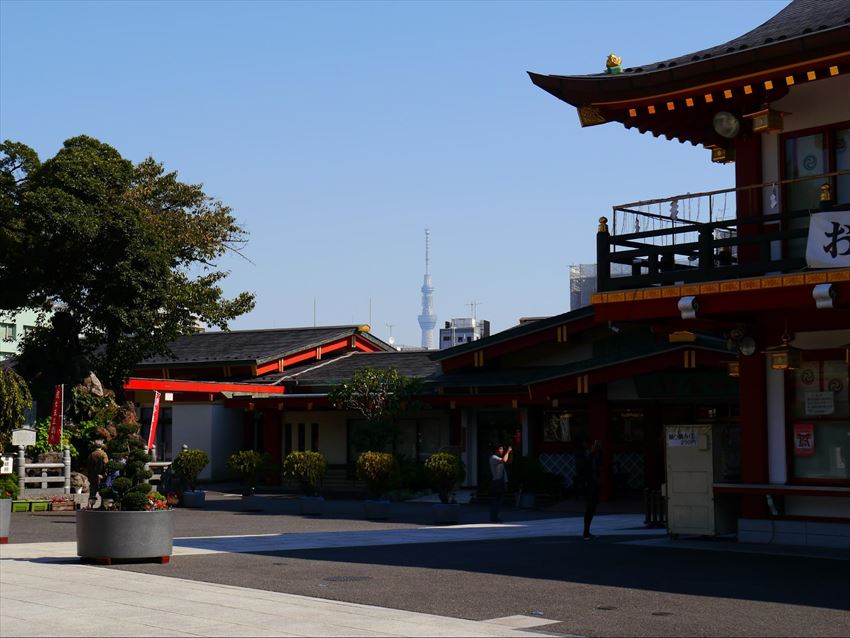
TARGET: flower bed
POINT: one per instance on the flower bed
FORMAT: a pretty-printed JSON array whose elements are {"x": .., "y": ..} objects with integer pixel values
[{"x": 62, "y": 504}]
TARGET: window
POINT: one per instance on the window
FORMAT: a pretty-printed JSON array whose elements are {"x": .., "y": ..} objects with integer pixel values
[
  {"x": 7, "y": 331},
  {"x": 809, "y": 154},
  {"x": 314, "y": 437},
  {"x": 820, "y": 424},
  {"x": 287, "y": 439},
  {"x": 302, "y": 435}
]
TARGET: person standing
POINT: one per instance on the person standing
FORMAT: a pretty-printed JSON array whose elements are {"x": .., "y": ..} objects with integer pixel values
[
  {"x": 588, "y": 465},
  {"x": 499, "y": 482}
]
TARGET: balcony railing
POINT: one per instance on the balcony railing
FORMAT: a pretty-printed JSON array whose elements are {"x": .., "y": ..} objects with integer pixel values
[{"x": 698, "y": 237}]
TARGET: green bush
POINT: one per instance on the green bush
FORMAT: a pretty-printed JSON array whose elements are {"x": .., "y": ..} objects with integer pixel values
[
  {"x": 134, "y": 502},
  {"x": 444, "y": 471},
  {"x": 307, "y": 468},
  {"x": 248, "y": 465},
  {"x": 8, "y": 487},
  {"x": 188, "y": 465},
  {"x": 377, "y": 470}
]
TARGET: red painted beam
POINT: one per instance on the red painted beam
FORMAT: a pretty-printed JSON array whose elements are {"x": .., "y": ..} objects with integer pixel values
[{"x": 205, "y": 387}]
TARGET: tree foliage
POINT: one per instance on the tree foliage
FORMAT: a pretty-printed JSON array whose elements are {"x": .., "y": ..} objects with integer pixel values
[
  {"x": 379, "y": 395},
  {"x": 123, "y": 255},
  {"x": 15, "y": 400}
]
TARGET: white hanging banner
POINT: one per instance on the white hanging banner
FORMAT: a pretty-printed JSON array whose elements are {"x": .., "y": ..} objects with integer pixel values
[{"x": 829, "y": 240}]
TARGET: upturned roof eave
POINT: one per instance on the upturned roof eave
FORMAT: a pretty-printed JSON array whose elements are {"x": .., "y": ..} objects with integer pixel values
[{"x": 604, "y": 89}]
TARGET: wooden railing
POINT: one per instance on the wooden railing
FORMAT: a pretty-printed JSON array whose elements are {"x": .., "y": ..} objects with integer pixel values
[
  {"x": 711, "y": 256},
  {"x": 694, "y": 243}
]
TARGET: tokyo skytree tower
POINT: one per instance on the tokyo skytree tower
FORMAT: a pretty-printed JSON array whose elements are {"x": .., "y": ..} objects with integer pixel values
[{"x": 427, "y": 320}]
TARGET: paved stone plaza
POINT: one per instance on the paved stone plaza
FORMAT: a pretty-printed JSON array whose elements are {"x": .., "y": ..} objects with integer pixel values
[{"x": 281, "y": 574}]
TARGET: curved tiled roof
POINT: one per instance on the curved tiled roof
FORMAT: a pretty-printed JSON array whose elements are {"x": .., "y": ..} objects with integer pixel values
[
  {"x": 805, "y": 29},
  {"x": 255, "y": 346}
]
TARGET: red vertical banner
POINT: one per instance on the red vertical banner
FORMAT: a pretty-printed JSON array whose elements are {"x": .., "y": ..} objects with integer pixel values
[
  {"x": 804, "y": 439},
  {"x": 154, "y": 420},
  {"x": 54, "y": 435}
]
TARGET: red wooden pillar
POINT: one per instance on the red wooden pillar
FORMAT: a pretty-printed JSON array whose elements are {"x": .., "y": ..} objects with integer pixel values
[
  {"x": 600, "y": 430},
  {"x": 273, "y": 441},
  {"x": 752, "y": 385},
  {"x": 748, "y": 202}
]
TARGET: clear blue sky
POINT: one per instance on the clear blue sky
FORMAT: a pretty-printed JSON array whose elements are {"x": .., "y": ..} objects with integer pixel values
[{"x": 339, "y": 131}]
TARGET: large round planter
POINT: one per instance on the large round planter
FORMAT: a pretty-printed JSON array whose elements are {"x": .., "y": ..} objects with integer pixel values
[
  {"x": 104, "y": 535},
  {"x": 196, "y": 498},
  {"x": 446, "y": 513},
  {"x": 5, "y": 519},
  {"x": 312, "y": 505},
  {"x": 377, "y": 510}
]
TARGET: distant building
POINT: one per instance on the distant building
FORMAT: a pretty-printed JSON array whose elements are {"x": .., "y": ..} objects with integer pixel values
[
  {"x": 12, "y": 330},
  {"x": 464, "y": 330}
]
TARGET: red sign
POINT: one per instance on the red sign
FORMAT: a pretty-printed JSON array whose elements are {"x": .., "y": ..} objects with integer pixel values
[
  {"x": 154, "y": 419},
  {"x": 54, "y": 435},
  {"x": 804, "y": 439}
]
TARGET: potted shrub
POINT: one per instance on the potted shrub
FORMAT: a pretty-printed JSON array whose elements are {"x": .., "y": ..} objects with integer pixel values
[
  {"x": 377, "y": 470},
  {"x": 248, "y": 465},
  {"x": 133, "y": 521},
  {"x": 8, "y": 493},
  {"x": 307, "y": 468},
  {"x": 445, "y": 471},
  {"x": 187, "y": 466}
]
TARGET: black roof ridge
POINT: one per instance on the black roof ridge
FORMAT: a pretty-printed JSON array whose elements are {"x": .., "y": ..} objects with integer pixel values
[{"x": 356, "y": 326}]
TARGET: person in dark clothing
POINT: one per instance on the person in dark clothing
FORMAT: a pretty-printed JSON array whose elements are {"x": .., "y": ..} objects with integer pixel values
[{"x": 588, "y": 465}]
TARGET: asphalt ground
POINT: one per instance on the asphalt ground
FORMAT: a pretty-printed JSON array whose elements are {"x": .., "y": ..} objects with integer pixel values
[{"x": 597, "y": 588}]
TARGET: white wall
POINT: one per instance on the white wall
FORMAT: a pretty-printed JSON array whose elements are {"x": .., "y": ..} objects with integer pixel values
[{"x": 226, "y": 438}]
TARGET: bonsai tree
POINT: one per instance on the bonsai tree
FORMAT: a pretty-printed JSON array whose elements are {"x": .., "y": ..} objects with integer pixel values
[
  {"x": 377, "y": 470},
  {"x": 129, "y": 489},
  {"x": 379, "y": 395},
  {"x": 248, "y": 465},
  {"x": 188, "y": 465},
  {"x": 307, "y": 468},
  {"x": 444, "y": 471}
]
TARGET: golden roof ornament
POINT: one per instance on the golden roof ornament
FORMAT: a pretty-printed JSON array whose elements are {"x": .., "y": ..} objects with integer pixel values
[
  {"x": 825, "y": 193},
  {"x": 612, "y": 64}
]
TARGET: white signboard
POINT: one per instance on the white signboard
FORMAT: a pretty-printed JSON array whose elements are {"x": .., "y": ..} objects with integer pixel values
[
  {"x": 829, "y": 240},
  {"x": 23, "y": 436},
  {"x": 682, "y": 438},
  {"x": 6, "y": 465},
  {"x": 820, "y": 403}
]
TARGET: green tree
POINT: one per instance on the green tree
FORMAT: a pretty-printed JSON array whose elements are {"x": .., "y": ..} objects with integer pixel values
[
  {"x": 379, "y": 395},
  {"x": 123, "y": 255},
  {"x": 15, "y": 400}
]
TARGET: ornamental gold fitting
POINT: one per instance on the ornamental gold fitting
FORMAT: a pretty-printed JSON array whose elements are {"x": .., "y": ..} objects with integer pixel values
[
  {"x": 825, "y": 193},
  {"x": 603, "y": 225}
]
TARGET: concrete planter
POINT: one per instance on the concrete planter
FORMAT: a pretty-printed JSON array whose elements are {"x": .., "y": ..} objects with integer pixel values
[
  {"x": 377, "y": 510},
  {"x": 312, "y": 505},
  {"x": 196, "y": 499},
  {"x": 253, "y": 503},
  {"x": 446, "y": 513},
  {"x": 5, "y": 519},
  {"x": 104, "y": 535}
]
